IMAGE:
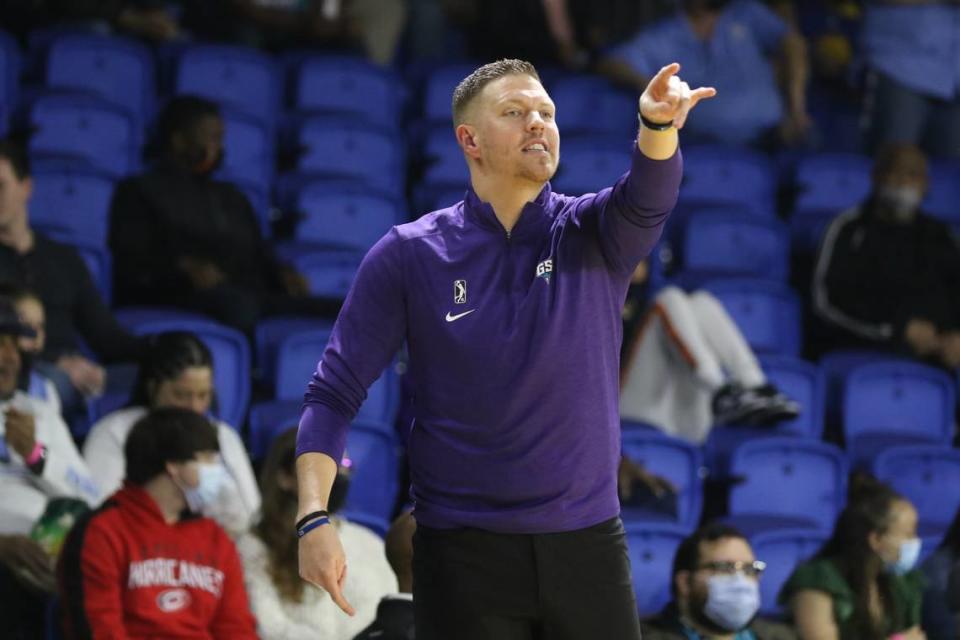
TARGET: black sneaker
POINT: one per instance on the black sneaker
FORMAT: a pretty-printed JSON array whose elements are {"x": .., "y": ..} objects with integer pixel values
[
  {"x": 776, "y": 406},
  {"x": 733, "y": 404}
]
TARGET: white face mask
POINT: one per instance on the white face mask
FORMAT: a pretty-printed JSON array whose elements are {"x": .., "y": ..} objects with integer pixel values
[
  {"x": 907, "y": 558},
  {"x": 732, "y": 601},
  {"x": 210, "y": 477},
  {"x": 902, "y": 202}
]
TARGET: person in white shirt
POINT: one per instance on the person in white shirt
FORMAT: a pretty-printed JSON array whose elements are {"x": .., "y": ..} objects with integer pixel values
[
  {"x": 287, "y": 607},
  {"x": 176, "y": 371},
  {"x": 38, "y": 458}
]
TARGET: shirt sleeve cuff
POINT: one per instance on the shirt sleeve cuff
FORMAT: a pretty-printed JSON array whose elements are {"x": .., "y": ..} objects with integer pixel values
[{"x": 322, "y": 430}]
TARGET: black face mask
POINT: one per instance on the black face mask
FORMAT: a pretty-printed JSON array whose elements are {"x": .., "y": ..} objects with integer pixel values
[{"x": 338, "y": 493}]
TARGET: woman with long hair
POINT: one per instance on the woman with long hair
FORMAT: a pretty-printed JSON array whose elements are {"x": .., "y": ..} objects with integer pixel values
[
  {"x": 941, "y": 597},
  {"x": 287, "y": 607},
  {"x": 863, "y": 584},
  {"x": 176, "y": 370}
]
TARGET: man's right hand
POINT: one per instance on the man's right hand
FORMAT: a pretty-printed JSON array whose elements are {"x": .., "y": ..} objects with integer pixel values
[
  {"x": 202, "y": 274},
  {"x": 323, "y": 563},
  {"x": 28, "y": 562}
]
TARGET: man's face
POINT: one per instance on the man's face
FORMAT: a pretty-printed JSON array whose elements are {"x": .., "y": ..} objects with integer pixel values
[
  {"x": 514, "y": 131},
  {"x": 14, "y": 194},
  {"x": 9, "y": 365},
  {"x": 902, "y": 186},
  {"x": 716, "y": 558},
  {"x": 201, "y": 146}
]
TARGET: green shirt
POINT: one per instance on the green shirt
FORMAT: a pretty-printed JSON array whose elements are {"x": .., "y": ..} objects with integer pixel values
[{"x": 822, "y": 574}]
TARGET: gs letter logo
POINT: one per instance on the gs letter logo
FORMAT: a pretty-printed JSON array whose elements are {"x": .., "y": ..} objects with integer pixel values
[{"x": 545, "y": 269}]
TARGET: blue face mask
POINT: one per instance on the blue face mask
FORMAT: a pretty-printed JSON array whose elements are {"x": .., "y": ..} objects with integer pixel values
[
  {"x": 732, "y": 601},
  {"x": 907, "y": 558},
  {"x": 211, "y": 476}
]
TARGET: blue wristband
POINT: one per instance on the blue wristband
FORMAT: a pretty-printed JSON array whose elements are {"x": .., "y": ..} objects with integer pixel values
[{"x": 307, "y": 528}]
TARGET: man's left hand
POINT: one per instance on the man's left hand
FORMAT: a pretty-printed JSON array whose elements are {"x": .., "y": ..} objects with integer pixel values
[
  {"x": 21, "y": 432},
  {"x": 667, "y": 98}
]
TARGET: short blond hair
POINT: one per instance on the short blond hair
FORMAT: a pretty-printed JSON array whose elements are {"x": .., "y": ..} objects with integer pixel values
[{"x": 471, "y": 86}]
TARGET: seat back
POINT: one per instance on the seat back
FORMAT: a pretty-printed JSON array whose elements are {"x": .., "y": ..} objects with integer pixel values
[
  {"x": 722, "y": 244},
  {"x": 589, "y": 165},
  {"x": 72, "y": 204},
  {"x": 766, "y": 312},
  {"x": 652, "y": 548},
  {"x": 346, "y": 85},
  {"x": 345, "y": 218},
  {"x": 237, "y": 77},
  {"x": 783, "y": 550},
  {"x": 679, "y": 462},
  {"x": 929, "y": 476},
  {"x": 790, "y": 477},
  {"x": 899, "y": 397}
]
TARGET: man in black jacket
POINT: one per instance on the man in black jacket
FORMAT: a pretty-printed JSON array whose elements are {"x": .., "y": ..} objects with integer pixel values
[
  {"x": 181, "y": 238},
  {"x": 889, "y": 276},
  {"x": 57, "y": 273}
]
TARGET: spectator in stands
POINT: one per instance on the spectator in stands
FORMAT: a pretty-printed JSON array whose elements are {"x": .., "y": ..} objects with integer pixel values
[
  {"x": 715, "y": 584},
  {"x": 38, "y": 459},
  {"x": 727, "y": 45},
  {"x": 286, "y": 607},
  {"x": 74, "y": 306},
  {"x": 889, "y": 276},
  {"x": 149, "y": 19},
  {"x": 31, "y": 313},
  {"x": 913, "y": 81},
  {"x": 177, "y": 371},
  {"x": 863, "y": 582},
  {"x": 181, "y": 238},
  {"x": 941, "y": 594},
  {"x": 688, "y": 367},
  {"x": 145, "y": 564}
]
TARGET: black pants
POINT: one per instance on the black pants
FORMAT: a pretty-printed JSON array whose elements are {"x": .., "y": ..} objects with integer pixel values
[{"x": 476, "y": 585}]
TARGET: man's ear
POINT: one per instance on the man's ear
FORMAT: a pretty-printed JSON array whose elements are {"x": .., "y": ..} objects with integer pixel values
[
  {"x": 28, "y": 186},
  {"x": 467, "y": 139}
]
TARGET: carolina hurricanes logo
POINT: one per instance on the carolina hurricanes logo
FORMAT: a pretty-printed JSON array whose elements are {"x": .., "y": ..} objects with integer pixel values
[{"x": 173, "y": 600}]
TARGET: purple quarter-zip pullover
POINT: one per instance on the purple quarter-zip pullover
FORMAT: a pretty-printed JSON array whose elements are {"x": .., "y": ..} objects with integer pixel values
[{"x": 514, "y": 344}]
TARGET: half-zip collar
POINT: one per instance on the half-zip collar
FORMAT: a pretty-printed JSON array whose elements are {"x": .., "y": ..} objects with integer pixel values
[{"x": 534, "y": 217}]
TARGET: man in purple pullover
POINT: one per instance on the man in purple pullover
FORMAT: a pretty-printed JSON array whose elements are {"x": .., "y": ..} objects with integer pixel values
[{"x": 510, "y": 305}]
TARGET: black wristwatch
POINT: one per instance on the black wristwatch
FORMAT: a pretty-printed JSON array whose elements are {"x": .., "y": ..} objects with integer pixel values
[{"x": 654, "y": 126}]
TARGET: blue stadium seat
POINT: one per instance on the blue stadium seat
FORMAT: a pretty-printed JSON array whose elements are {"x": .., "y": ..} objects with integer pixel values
[
  {"x": 350, "y": 149},
  {"x": 887, "y": 404},
  {"x": 444, "y": 162},
  {"x": 249, "y": 151},
  {"x": 237, "y": 77},
  {"x": 652, "y": 548},
  {"x": 671, "y": 458},
  {"x": 100, "y": 264},
  {"x": 591, "y": 105},
  {"x": 799, "y": 380},
  {"x": 590, "y": 164},
  {"x": 270, "y": 331},
  {"x": 84, "y": 132},
  {"x": 118, "y": 70},
  {"x": 10, "y": 63},
  {"x": 267, "y": 420},
  {"x": 374, "y": 483},
  {"x": 296, "y": 360},
  {"x": 439, "y": 89},
  {"x": 297, "y": 357},
  {"x": 783, "y": 550},
  {"x": 329, "y": 273},
  {"x": 347, "y": 85},
  {"x": 827, "y": 184},
  {"x": 943, "y": 195},
  {"x": 767, "y": 312},
  {"x": 73, "y": 205},
  {"x": 836, "y": 367},
  {"x": 786, "y": 482},
  {"x": 724, "y": 177},
  {"x": 231, "y": 358},
  {"x": 724, "y": 244},
  {"x": 345, "y": 218},
  {"x": 929, "y": 476}
]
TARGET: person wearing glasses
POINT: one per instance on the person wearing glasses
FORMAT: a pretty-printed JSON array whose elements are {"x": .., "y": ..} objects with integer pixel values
[{"x": 715, "y": 586}]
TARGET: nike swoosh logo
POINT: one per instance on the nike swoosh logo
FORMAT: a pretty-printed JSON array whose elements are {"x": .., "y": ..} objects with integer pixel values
[{"x": 451, "y": 318}]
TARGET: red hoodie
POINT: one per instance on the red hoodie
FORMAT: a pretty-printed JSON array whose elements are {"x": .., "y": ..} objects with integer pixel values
[{"x": 126, "y": 573}]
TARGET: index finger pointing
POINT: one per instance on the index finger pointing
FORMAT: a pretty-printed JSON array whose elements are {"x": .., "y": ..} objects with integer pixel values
[
  {"x": 662, "y": 79},
  {"x": 337, "y": 595}
]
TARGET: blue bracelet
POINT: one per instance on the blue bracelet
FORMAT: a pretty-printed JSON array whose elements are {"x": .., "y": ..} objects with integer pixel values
[{"x": 307, "y": 528}]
